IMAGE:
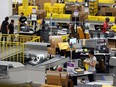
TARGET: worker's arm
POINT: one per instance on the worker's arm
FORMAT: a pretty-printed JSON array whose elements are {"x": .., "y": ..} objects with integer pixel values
[
  {"x": 93, "y": 64},
  {"x": 19, "y": 20}
]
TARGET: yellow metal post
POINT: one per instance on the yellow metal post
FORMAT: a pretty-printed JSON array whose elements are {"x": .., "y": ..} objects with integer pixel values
[{"x": 25, "y": 7}]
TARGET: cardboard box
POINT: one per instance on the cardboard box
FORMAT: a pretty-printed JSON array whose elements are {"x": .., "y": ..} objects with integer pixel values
[
  {"x": 41, "y": 14},
  {"x": 53, "y": 77},
  {"x": 73, "y": 7},
  {"x": 54, "y": 40},
  {"x": 53, "y": 1},
  {"x": 69, "y": 7},
  {"x": 80, "y": 8},
  {"x": 105, "y": 11},
  {"x": 82, "y": 16},
  {"x": 51, "y": 50},
  {"x": 40, "y": 3},
  {"x": 50, "y": 85},
  {"x": 111, "y": 43}
]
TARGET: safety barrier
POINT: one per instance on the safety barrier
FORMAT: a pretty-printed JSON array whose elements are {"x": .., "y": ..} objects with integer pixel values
[
  {"x": 12, "y": 46},
  {"x": 37, "y": 39},
  {"x": 12, "y": 51},
  {"x": 19, "y": 38}
]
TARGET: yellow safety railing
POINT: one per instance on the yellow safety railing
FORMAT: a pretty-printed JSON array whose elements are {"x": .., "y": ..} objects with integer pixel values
[
  {"x": 12, "y": 46},
  {"x": 37, "y": 39},
  {"x": 19, "y": 38},
  {"x": 12, "y": 51},
  {"x": 26, "y": 38}
]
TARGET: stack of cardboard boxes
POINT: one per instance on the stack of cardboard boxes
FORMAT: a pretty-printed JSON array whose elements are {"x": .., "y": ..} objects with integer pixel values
[
  {"x": 105, "y": 11},
  {"x": 41, "y": 14},
  {"x": 54, "y": 40},
  {"x": 82, "y": 16},
  {"x": 40, "y": 3},
  {"x": 69, "y": 8}
]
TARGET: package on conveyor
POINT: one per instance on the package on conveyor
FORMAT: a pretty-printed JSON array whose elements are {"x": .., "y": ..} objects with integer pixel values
[
  {"x": 41, "y": 14},
  {"x": 51, "y": 50},
  {"x": 105, "y": 11},
  {"x": 54, "y": 40}
]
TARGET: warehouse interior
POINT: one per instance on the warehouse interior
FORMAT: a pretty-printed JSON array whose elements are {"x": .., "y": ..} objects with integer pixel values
[{"x": 58, "y": 43}]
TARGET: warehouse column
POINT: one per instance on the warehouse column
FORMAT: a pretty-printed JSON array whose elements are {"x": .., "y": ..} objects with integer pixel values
[{"x": 5, "y": 9}]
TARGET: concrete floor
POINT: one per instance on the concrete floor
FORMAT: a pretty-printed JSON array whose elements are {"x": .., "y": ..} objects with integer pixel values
[{"x": 102, "y": 78}]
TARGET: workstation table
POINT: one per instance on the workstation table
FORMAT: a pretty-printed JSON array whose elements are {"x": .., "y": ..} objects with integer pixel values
[
  {"x": 99, "y": 56},
  {"x": 76, "y": 75},
  {"x": 102, "y": 58}
]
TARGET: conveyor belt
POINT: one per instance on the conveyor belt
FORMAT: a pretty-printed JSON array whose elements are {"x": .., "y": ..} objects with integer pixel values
[
  {"x": 54, "y": 62},
  {"x": 68, "y": 21},
  {"x": 37, "y": 45}
]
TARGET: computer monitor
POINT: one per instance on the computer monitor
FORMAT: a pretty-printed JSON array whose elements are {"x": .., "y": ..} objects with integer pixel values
[
  {"x": 91, "y": 43},
  {"x": 78, "y": 44},
  {"x": 52, "y": 24},
  {"x": 73, "y": 41},
  {"x": 47, "y": 22}
]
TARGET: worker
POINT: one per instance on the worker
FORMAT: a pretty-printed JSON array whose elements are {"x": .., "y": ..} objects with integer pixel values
[
  {"x": 22, "y": 20},
  {"x": 105, "y": 25},
  {"x": 91, "y": 62},
  {"x": 11, "y": 29},
  {"x": 4, "y": 28},
  {"x": 43, "y": 24}
]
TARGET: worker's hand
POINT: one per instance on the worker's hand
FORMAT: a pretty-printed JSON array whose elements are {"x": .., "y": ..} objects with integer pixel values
[
  {"x": 110, "y": 27},
  {"x": 86, "y": 62}
]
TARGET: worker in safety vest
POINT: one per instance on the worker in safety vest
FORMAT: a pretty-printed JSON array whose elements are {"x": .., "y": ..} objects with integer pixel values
[{"x": 105, "y": 25}]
